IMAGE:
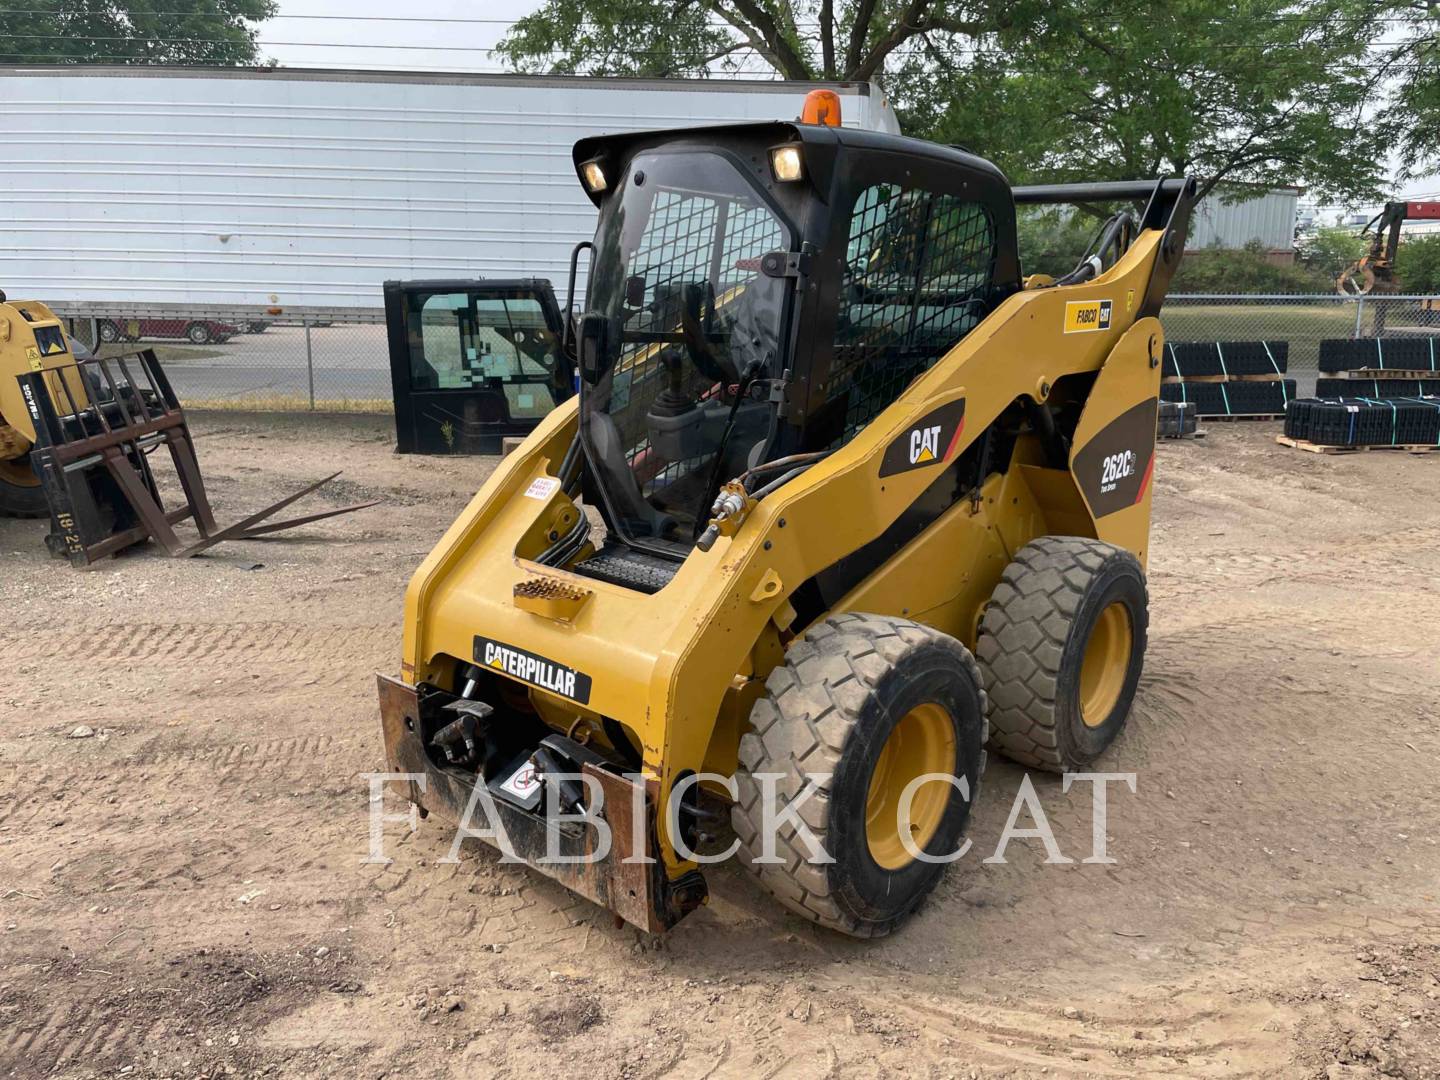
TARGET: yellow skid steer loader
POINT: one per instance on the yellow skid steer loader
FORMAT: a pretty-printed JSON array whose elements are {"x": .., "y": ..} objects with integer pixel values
[{"x": 842, "y": 498}]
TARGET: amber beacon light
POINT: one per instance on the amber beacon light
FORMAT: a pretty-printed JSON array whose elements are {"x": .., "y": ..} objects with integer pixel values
[{"x": 821, "y": 107}]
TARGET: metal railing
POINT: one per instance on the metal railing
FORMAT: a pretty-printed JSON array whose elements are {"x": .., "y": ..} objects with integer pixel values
[{"x": 338, "y": 360}]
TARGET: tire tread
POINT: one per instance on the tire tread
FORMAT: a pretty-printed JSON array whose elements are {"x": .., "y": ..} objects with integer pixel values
[
  {"x": 1022, "y": 638},
  {"x": 800, "y": 726}
]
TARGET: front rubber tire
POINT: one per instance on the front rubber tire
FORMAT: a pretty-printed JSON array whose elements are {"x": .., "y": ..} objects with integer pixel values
[
  {"x": 25, "y": 500},
  {"x": 1061, "y": 646},
  {"x": 110, "y": 332},
  {"x": 833, "y": 707},
  {"x": 198, "y": 334}
]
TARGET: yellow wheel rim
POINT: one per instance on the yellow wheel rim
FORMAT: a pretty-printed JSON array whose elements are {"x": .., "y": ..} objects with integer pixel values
[
  {"x": 922, "y": 742},
  {"x": 17, "y": 473},
  {"x": 1106, "y": 663}
]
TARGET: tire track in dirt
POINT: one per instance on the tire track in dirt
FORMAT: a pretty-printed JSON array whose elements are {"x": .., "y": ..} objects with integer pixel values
[
  {"x": 161, "y": 1009},
  {"x": 272, "y": 753},
  {"x": 479, "y": 898},
  {"x": 1087, "y": 1041},
  {"x": 78, "y": 1035},
  {"x": 122, "y": 821},
  {"x": 1232, "y": 571},
  {"x": 35, "y": 783},
  {"x": 230, "y": 644}
]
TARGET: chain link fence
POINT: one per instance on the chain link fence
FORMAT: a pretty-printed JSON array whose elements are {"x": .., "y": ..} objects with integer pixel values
[
  {"x": 219, "y": 359},
  {"x": 1303, "y": 321},
  {"x": 339, "y": 361}
]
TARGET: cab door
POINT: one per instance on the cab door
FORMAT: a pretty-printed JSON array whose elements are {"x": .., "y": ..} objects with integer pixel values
[{"x": 473, "y": 361}]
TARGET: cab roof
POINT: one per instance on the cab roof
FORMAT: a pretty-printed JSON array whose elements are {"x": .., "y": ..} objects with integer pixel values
[{"x": 827, "y": 142}]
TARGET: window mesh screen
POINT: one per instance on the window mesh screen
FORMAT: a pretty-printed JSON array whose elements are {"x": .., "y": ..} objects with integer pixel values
[
  {"x": 700, "y": 243},
  {"x": 918, "y": 268}
]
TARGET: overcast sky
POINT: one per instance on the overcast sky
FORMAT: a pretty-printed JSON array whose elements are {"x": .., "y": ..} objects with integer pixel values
[
  {"x": 425, "y": 44},
  {"x": 342, "y": 42}
]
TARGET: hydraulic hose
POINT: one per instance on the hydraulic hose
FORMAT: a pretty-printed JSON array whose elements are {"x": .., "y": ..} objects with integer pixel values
[
  {"x": 563, "y": 549},
  {"x": 1114, "y": 233},
  {"x": 570, "y": 465},
  {"x": 779, "y": 482},
  {"x": 782, "y": 463}
]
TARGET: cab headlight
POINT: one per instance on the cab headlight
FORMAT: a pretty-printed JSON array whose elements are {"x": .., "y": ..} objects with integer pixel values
[
  {"x": 593, "y": 173},
  {"x": 786, "y": 163}
]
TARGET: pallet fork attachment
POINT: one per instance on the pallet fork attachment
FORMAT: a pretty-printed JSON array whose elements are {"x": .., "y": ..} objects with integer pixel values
[{"x": 96, "y": 422}]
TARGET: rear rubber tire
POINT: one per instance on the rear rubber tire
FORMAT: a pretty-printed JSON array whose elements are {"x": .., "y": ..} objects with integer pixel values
[
  {"x": 831, "y": 708},
  {"x": 198, "y": 334},
  {"x": 110, "y": 332},
  {"x": 1033, "y": 643}
]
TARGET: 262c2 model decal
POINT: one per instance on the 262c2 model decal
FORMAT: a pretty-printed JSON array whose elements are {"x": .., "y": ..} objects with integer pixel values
[{"x": 1113, "y": 469}]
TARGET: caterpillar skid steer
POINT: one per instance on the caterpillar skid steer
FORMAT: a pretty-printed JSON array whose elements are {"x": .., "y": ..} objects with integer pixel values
[{"x": 842, "y": 498}]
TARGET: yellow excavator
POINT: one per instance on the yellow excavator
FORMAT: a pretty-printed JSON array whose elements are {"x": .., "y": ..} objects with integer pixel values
[{"x": 844, "y": 499}]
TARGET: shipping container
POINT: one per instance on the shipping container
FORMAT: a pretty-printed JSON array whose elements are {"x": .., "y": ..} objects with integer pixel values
[
  {"x": 306, "y": 189},
  {"x": 1267, "y": 217}
]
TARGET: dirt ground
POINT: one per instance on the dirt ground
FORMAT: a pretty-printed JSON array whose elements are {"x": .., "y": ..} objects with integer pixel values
[{"x": 183, "y": 819}]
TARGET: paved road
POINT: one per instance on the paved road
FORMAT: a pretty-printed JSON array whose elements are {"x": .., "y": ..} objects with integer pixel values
[{"x": 349, "y": 362}]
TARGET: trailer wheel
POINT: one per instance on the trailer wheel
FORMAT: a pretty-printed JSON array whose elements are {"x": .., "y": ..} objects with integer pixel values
[
  {"x": 862, "y": 705},
  {"x": 1061, "y": 645},
  {"x": 20, "y": 492},
  {"x": 109, "y": 332},
  {"x": 198, "y": 333}
]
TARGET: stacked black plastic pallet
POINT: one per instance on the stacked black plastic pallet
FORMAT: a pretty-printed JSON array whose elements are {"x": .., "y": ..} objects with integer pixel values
[
  {"x": 1379, "y": 367},
  {"x": 1375, "y": 388},
  {"x": 1380, "y": 354},
  {"x": 1233, "y": 398},
  {"x": 1361, "y": 421},
  {"x": 1374, "y": 392},
  {"x": 1228, "y": 378}
]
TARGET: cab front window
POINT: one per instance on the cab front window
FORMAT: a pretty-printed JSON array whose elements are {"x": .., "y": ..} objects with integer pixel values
[{"x": 695, "y": 333}]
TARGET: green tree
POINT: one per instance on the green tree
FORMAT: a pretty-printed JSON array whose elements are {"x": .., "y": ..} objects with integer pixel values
[
  {"x": 132, "y": 31},
  {"x": 1244, "y": 270},
  {"x": 796, "y": 39},
  {"x": 1417, "y": 264},
  {"x": 1052, "y": 239},
  {"x": 1414, "y": 64},
  {"x": 1263, "y": 92},
  {"x": 1331, "y": 249}
]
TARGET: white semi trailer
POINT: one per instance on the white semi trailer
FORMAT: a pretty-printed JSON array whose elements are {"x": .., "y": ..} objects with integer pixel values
[{"x": 132, "y": 189}]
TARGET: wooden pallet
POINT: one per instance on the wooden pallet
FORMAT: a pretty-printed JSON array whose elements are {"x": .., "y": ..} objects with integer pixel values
[
  {"x": 1317, "y": 448},
  {"x": 1382, "y": 373},
  {"x": 1242, "y": 416},
  {"x": 1172, "y": 380}
]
